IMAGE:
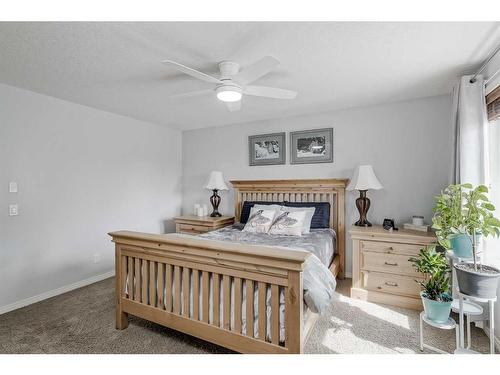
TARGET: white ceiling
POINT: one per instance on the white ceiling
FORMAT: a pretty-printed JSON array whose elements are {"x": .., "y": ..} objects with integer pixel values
[{"x": 116, "y": 66}]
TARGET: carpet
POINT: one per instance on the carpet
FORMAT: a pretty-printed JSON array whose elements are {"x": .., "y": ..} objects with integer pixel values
[{"x": 83, "y": 321}]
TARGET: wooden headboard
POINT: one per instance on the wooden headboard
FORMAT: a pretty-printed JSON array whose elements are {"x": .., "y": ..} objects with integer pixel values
[{"x": 317, "y": 190}]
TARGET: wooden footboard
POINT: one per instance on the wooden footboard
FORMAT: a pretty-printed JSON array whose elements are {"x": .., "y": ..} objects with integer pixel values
[{"x": 159, "y": 276}]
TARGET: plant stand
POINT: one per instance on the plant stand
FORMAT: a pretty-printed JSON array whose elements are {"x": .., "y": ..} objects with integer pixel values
[
  {"x": 470, "y": 309},
  {"x": 462, "y": 300},
  {"x": 450, "y": 324}
]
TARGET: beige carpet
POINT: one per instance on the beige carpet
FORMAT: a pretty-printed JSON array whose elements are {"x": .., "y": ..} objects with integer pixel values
[{"x": 82, "y": 321}]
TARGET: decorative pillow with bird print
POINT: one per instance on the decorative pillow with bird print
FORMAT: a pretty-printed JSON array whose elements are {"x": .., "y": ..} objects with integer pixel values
[
  {"x": 289, "y": 223},
  {"x": 259, "y": 220}
]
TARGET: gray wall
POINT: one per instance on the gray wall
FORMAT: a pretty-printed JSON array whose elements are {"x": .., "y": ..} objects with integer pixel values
[
  {"x": 408, "y": 144},
  {"x": 81, "y": 173}
]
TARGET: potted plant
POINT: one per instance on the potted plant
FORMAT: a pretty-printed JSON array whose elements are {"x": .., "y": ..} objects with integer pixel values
[
  {"x": 436, "y": 283},
  {"x": 463, "y": 214},
  {"x": 448, "y": 219}
]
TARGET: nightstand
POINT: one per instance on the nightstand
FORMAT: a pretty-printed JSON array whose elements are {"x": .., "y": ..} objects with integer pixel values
[
  {"x": 191, "y": 224},
  {"x": 381, "y": 271}
]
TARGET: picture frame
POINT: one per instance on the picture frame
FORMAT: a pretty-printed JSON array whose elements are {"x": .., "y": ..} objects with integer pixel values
[
  {"x": 267, "y": 149},
  {"x": 311, "y": 146}
]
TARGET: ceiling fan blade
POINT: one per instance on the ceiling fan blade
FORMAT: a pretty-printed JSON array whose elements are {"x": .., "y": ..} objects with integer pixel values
[
  {"x": 191, "y": 94},
  {"x": 270, "y": 92},
  {"x": 257, "y": 70},
  {"x": 233, "y": 106},
  {"x": 192, "y": 72}
]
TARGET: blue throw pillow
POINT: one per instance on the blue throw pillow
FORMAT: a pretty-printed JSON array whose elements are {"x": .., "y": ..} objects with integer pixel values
[{"x": 321, "y": 217}]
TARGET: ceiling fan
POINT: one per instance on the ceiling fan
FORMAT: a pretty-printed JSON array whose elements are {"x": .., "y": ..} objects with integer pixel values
[{"x": 232, "y": 83}]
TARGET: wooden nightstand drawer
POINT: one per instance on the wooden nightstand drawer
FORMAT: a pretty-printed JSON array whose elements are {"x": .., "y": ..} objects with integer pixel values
[
  {"x": 387, "y": 283},
  {"x": 389, "y": 263},
  {"x": 194, "y": 229},
  {"x": 197, "y": 225},
  {"x": 390, "y": 247}
]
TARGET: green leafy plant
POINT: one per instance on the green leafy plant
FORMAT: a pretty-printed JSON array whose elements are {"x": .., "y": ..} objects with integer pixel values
[
  {"x": 467, "y": 210},
  {"x": 436, "y": 271}
]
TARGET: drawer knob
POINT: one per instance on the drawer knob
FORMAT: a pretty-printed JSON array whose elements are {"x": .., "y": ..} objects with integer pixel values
[
  {"x": 390, "y": 284},
  {"x": 390, "y": 264}
]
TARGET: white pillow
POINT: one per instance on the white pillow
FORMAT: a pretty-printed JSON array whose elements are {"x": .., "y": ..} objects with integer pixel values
[
  {"x": 259, "y": 220},
  {"x": 288, "y": 222},
  {"x": 306, "y": 228}
]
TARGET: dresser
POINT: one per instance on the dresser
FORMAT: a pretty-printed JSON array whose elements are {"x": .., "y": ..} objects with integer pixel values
[
  {"x": 381, "y": 271},
  {"x": 191, "y": 224}
]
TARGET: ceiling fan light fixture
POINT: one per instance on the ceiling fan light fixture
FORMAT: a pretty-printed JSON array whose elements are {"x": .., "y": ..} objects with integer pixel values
[{"x": 229, "y": 93}]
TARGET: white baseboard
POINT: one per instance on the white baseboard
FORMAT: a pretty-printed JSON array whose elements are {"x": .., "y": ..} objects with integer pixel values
[{"x": 55, "y": 292}]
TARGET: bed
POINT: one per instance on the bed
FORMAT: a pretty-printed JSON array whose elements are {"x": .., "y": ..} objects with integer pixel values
[{"x": 245, "y": 296}]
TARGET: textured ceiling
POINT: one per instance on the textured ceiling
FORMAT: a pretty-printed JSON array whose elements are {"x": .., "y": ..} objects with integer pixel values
[{"x": 117, "y": 66}]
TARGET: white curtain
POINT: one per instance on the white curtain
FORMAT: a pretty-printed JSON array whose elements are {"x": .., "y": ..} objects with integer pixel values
[{"x": 470, "y": 156}]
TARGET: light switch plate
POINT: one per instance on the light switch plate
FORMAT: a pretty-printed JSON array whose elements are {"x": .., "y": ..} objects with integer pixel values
[
  {"x": 12, "y": 187},
  {"x": 13, "y": 210}
]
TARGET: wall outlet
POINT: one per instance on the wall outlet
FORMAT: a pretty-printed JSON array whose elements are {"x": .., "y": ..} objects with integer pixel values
[
  {"x": 12, "y": 187},
  {"x": 97, "y": 258},
  {"x": 13, "y": 210}
]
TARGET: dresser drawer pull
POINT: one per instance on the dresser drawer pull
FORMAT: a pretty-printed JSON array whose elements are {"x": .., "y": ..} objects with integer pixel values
[
  {"x": 390, "y": 264},
  {"x": 390, "y": 284}
]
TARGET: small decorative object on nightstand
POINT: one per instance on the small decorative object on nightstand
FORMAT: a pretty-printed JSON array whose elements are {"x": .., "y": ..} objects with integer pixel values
[
  {"x": 191, "y": 224},
  {"x": 363, "y": 179},
  {"x": 215, "y": 183}
]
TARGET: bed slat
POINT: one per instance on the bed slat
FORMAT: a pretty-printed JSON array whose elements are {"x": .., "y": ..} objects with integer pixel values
[
  {"x": 249, "y": 303},
  {"x": 152, "y": 284},
  {"x": 130, "y": 280},
  {"x": 205, "y": 285},
  {"x": 185, "y": 291},
  {"x": 216, "y": 299},
  {"x": 123, "y": 276},
  {"x": 275, "y": 317},
  {"x": 237, "y": 304},
  {"x": 262, "y": 311},
  {"x": 161, "y": 285},
  {"x": 177, "y": 290},
  {"x": 226, "y": 302},
  {"x": 137, "y": 273},
  {"x": 196, "y": 294},
  {"x": 144, "y": 282},
  {"x": 168, "y": 288}
]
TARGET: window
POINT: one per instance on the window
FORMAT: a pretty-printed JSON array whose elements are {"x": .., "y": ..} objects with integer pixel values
[
  {"x": 493, "y": 105},
  {"x": 492, "y": 253}
]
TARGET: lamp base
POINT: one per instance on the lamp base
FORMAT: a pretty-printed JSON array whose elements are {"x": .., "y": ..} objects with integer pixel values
[
  {"x": 215, "y": 201},
  {"x": 363, "y": 204}
]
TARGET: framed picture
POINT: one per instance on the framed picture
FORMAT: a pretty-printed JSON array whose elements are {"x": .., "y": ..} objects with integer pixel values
[
  {"x": 267, "y": 149},
  {"x": 311, "y": 146}
]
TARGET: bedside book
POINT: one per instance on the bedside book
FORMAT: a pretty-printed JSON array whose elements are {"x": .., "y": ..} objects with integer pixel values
[{"x": 420, "y": 228}]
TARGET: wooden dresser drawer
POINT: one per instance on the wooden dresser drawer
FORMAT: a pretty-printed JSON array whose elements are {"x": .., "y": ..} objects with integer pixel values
[
  {"x": 390, "y": 247},
  {"x": 389, "y": 263},
  {"x": 387, "y": 283},
  {"x": 192, "y": 229}
]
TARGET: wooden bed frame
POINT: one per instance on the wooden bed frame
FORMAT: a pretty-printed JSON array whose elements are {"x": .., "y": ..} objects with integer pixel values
[{"x": 146, "y": 263}]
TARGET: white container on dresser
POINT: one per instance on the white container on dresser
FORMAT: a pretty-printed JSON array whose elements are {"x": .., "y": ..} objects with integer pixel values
[{"x": 381, "y": 272}]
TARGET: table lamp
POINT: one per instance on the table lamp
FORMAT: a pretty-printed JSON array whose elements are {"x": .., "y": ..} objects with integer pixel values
[
  {"x": 215, "y": 183},
  {"x": 363, "y": 179}
]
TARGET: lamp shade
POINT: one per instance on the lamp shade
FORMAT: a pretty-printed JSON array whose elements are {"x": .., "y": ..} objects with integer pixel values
[
  {"x": 364, "y": 179},
  {"x": 216, "y": 181}
]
